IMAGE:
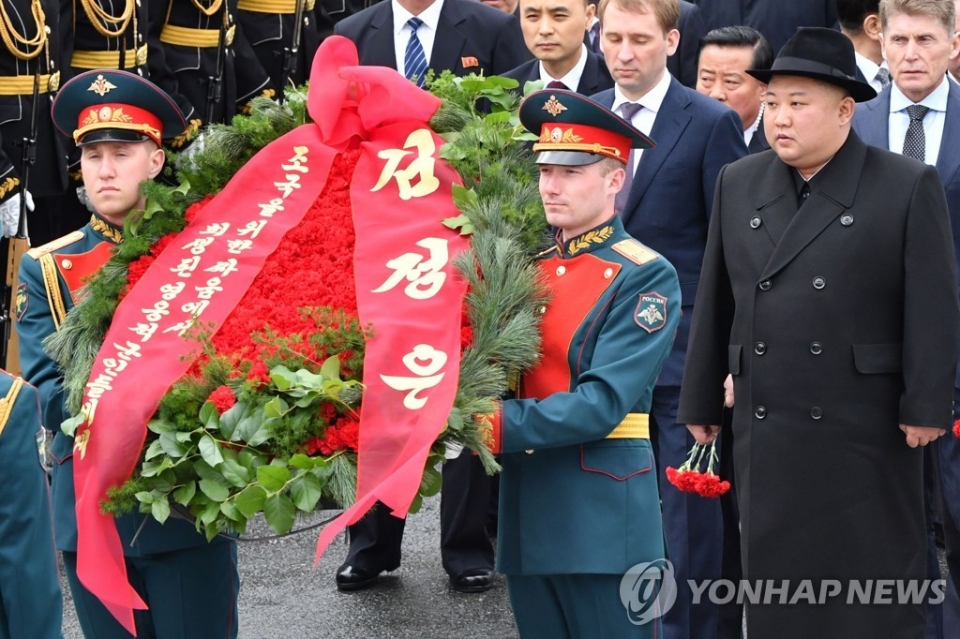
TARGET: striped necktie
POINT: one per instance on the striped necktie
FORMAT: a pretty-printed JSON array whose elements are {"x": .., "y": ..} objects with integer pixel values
[
  {"x": 627, "y": 111},
  {"x": 414, "y": 59}
]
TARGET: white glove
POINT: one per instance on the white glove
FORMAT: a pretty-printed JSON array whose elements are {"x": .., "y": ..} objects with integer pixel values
[{"x": 10, "y": 213}]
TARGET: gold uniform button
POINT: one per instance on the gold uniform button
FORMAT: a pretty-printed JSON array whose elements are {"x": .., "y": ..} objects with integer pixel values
[
  {"x": 608, "y": 273},
  {"x": 67, "y": 264},
  {"x": 561, "y": 270}
]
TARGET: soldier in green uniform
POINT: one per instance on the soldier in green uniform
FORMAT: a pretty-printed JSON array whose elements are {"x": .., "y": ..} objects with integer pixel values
[
  {"x": 118, "y": 120},
  {"x": 579, "y": 505},
  {"x": 30, "y": 601}
]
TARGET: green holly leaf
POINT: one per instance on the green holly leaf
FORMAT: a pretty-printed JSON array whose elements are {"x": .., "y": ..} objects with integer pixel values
[
  {"x": 331, "y": 368},
  {"x": 210, "y": 417},
  {"x": 465, "y": 199},
  {"x": 282, "y": 377},
  {"x": 171, "y": 445},
  {"x": 301, "y": 461},
  {"x": 305, "y": 491},
  {"x": 234, "y": 473},
  {"x": 276, "y": 407},
  {"x": 273, "y": 478},
  {"x": 279, "y": 512},
  {"x": 160, "y": 509},
  {"x": 214, "y": 490},
  {"x": 250, "y": 500},
  {"x": 229, "y": 420},
  {"x": 229, "y": 509},
  {"x": 70, "y": 426},
  {"x": 210, "y": 513},
  {"x": 153, "y": 450},
  {"x": 431, "y": 482},
  {"x": 185, "y": 493}
]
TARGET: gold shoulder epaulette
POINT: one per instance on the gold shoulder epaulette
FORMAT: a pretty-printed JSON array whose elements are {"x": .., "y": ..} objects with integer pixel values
[
  {"x": 59, "y": 243},
  {"x": 635, "y": 251}
]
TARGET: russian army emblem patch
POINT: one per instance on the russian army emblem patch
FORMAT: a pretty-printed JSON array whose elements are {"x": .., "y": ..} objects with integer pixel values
[
  {"x": 21, "y": 300},
  {"x": 651, "y": 313}
]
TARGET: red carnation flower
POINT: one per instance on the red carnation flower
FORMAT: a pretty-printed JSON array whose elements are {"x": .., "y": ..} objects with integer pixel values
[
  {"x": 956, "y": 428},
  {"x": 223, "y": 399}
]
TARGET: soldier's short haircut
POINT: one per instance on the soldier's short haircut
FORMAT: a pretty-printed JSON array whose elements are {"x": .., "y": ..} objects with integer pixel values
[
  {"x": 942, "y": 10},
  {"x": 852, "y": 13},
  {"x": 666, "y": 11},
  {"x": 742, "y": 36}
]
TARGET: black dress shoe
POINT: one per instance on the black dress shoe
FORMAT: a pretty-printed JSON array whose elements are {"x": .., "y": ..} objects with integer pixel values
[
  {"x": 473, "y": 580},
  {"x": 355, "y": 578}
]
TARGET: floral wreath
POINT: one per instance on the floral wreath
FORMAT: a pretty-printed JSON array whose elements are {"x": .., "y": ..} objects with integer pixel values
[{"x": 266, "y": 419}]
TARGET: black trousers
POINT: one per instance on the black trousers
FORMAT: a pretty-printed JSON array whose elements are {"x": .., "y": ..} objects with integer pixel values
[{"x": 465, "y": 507}]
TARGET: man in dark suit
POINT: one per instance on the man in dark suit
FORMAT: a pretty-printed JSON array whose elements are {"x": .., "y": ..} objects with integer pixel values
[
  {"x": 827, "y": 261},
  {"x": 683, "y": 63},
  {"x": 918, "y": 47},
  {"x": 778, "y": 20},
  {"x": 668, "y": 209},
  {"x": 464, "y": 36},
  {"x": 860, "y": 21},
  {"x": 725, "y": 56},
  {"x": 720, "y": 14},
  {"x": 553, "y": 31}
]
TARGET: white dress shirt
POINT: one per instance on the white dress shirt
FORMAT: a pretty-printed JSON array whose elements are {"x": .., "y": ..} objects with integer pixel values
[
  {"x": 572, "y": 79},
  {"x": 427, "y": 32},
  {"x": 869, "y": 70},
  {"x": 645, "y": 117},
  {"x": 932, "y": 122}
]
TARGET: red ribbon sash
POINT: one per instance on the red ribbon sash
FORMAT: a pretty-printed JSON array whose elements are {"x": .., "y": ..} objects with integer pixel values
[
  {"x": 198, "y": 278},
  {"x": 406, "y": 287}
]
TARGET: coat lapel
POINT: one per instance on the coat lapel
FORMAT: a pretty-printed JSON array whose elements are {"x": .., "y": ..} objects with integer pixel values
[
  {"x": 872, "y": 121},
  {"x": 833, "y": 194},
  {"x": 948, "y": 160},
  {"x": 381, "y": 49},
  {"x": 672, "y": 119},
  {"x": 449, "y": 41},
  {"x": 774, "y": 205}
]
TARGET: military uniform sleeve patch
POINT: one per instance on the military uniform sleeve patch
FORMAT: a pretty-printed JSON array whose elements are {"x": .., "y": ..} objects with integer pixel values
[
  {"x": 651, "y": 313},
  {"x": 55, "y": 245},
  {"x": 635, "y": 251},
  {"x": 21, "y": 300}
]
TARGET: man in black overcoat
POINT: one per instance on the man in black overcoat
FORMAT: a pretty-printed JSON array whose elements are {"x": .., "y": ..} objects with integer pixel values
[{"x": 829, "y": 293}]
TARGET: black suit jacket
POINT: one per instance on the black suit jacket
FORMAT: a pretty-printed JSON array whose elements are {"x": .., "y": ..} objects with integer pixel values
[
  {"x": 595, "y": 76},
  {"x": 758, "y": 142},
  {"x": 471, "y": 38},
  {"x": 824, "y": 318},
  {"x": 683, "y": 64}
]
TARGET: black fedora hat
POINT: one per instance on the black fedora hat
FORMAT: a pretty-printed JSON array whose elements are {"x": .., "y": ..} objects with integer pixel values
[{"x": 821, "y": 54}]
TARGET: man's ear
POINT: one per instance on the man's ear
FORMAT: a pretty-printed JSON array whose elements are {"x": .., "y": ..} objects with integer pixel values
[
  {"x": 871, "y": 26},
  {"x": 157, "y": 159}
]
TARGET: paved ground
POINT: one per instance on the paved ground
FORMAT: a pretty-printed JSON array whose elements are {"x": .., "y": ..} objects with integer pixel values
[{"x": 283, "y": 597}]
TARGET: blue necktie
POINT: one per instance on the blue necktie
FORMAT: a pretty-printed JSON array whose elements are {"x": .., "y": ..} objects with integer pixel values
[
  {"x": 414, "y": 59},
  {"x": 627, "y": 111}
]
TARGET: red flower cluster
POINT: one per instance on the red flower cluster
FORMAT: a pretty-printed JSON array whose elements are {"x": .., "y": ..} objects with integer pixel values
[
  {"x": 344, "y": 434},
  {"x": 956, "y": 428},
  {"x": 222, "y": 399},
  {"x": 693, "y": 481}
]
